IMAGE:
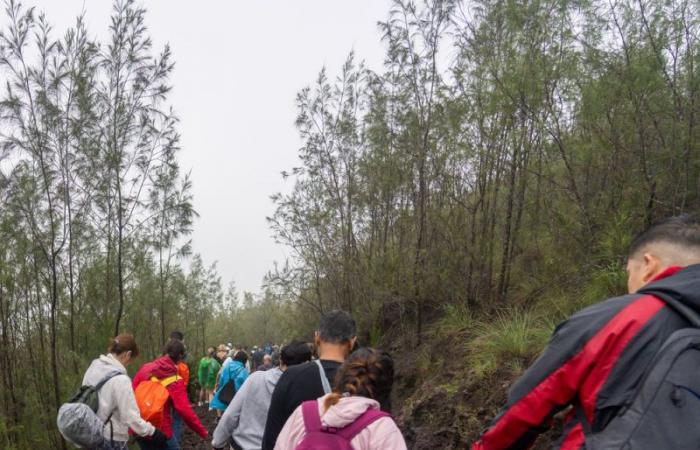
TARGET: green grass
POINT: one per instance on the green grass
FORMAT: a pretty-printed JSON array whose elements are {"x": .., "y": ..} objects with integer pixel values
[
  {"x": 456, "y": 319},
  {"x": 512, "y": 339}
]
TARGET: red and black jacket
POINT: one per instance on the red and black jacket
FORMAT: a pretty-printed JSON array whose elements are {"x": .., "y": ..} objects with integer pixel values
[{"x": 594, "y": 362}]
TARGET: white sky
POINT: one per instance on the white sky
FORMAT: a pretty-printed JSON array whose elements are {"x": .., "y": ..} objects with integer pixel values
[{"x": 239, "y": 65}]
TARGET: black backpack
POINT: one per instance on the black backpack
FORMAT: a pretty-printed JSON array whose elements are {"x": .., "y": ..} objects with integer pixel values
[
  {"x": 665, "y": 410},
  {"x": 229, "y": 391}
]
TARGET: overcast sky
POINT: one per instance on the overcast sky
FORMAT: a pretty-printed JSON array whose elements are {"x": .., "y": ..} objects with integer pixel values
[{"x": 239, "y": 65}]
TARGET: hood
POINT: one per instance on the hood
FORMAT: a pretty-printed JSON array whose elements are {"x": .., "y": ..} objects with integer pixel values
[
  {"x": 100, "y": 368},
  {"x": 682, "y": 284},
  {"x": 162, "y": 367},
  {"x": 236, "y": 364},
  {"x": 347, "y": 410},
  {"x": 271, "y": 378}
]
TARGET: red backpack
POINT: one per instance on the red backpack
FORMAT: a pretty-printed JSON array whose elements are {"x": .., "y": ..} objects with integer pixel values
[{"x": 319, "y": 437}]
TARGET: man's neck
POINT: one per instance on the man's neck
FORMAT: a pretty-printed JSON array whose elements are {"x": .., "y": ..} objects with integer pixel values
[{"x": 332, "y": 352}]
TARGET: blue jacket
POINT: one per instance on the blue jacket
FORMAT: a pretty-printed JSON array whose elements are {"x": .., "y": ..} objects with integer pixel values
[{"x": 233, "y": 370}]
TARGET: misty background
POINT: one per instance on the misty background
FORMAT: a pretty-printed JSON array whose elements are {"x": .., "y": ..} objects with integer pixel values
[{"x": 236, "y": 103}]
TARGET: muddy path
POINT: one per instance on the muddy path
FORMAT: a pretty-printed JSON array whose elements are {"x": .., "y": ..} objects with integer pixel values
[{"x": 190, "y": 441}]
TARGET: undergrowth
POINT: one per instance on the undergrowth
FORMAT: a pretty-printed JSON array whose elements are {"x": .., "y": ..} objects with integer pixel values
[{"x": 512, "y": 339}]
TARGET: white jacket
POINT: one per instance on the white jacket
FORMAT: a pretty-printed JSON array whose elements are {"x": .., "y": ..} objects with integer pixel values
[{"x": 116, "y": 397}]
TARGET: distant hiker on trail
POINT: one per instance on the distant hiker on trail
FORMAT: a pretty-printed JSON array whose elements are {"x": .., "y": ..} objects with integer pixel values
[
  {"x": 275, "y": 356},
  {"x": 163, "y": 372},
  {"x": 183, "y": 371},
  {"x": 244, "y": 419},
  {"x": 221, "y": 353},
  {"x": 352, "y": 411},
  {"x": 267, "y": 363},
  {"x": 206, "y": 375},
  {"x": 117, "y": 406},
  {"x": 335, "y": 340},
  {"x": 256, "y": 358},
  {"x": 599, "y": 359},
  {"x": 232, "y": 352},
  {"x": 232, "y": 377}
]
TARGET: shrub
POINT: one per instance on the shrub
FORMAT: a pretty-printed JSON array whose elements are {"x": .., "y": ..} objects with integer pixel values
[{"x": 513, "y": 339}]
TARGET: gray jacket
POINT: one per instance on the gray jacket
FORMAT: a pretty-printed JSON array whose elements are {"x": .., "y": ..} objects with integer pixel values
[{"x": 245, "y": 416}]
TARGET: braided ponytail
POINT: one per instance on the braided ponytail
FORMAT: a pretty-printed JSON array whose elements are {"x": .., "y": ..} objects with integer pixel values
[{"x": 368, "y": 372}]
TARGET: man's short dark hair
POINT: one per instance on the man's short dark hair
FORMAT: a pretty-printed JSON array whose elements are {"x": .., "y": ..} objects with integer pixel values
[
  {"x": 177, "y": 335},
  {"x": 683, "y": 230},
  {"x": 337, "y": 327},
  {"x": 296, "y": 352}
]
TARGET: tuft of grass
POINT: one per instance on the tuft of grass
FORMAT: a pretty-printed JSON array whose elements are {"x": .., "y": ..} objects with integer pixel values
[
  {"x": 455, "y": 319},
  {"x": 511, "y": 340},
  {"x": 375, "y": 335}
]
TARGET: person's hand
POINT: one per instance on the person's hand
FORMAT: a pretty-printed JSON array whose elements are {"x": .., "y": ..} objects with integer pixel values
[{"x": 159, "y": 438}]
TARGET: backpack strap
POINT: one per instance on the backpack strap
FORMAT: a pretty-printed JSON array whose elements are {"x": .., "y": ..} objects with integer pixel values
[
  {"x": 170, "y": 380},
  {"x": 312, "y": 419},
  {"x": 324, "y": 379},
  {"x": 368, "y": 418},
  {"x": 165, "y": 382},
  {"x": 102, "y": 382}
]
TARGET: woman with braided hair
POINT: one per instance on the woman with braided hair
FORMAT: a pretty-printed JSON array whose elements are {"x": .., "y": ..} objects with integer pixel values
[{"x": 352, "y": 412}]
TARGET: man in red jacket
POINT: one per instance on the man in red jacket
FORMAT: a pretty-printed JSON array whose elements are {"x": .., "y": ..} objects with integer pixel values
[
  {"x": 597, "y": 358},
  {"x": 162, "y": 368}
]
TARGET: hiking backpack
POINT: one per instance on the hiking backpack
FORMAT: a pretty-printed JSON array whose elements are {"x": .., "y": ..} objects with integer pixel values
[
  {"x": 229, "y": 390},
  {"x": 152, "y": 396},
  {"x": 665, "y": 409},
  {"x": 77, "y": 419},
  {"x": 320, "y": 437}
]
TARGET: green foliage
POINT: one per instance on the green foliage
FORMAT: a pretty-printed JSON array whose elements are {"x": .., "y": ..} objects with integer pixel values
[
  {"x": 456, "y": 319},
  {"x": 512, "y": 339}
]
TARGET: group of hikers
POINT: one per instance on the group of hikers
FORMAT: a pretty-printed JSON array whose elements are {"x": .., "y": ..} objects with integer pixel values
[{"x": 620, "y": 374}]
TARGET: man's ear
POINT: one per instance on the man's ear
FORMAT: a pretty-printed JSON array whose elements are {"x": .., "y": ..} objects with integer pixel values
[
  {"x": 353, "y": 344},
  {"x": 652, "y": 267}
]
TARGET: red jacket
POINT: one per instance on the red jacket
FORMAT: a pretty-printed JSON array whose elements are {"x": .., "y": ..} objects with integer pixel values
[
  {"x": 594, "y": 362},
  {"x": 161, "y": 368}
]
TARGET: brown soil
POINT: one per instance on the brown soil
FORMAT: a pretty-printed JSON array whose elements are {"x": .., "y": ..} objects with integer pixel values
[
  {"x": 190, "y": 440},
  {"x": 439, "y": 402}
]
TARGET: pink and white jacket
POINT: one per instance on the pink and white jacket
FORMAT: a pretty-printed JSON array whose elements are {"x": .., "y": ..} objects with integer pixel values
[{"x": 382, "y": 434}]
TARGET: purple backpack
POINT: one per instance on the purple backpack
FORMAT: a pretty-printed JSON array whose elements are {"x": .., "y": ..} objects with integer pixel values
[{"x": 319, "y": 437}]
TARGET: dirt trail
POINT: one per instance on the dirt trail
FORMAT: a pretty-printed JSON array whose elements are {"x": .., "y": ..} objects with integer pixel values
[{"x": 190, "y": 441}]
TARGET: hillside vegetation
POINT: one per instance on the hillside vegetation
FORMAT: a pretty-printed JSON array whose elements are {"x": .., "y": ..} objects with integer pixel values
[{"x": 459, "y": 201}]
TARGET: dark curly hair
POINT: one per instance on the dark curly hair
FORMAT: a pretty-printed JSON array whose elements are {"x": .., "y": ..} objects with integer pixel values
[{"x": 368, "y": 372}]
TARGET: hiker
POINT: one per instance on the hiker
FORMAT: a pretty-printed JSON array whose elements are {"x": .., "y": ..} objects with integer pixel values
[
  {"x": 230, "y": 381},
  {"x": 221, "y": 353},
  {"x": 597, "y": 359},
  {"x": 232, "y": 352},
  {"x": 164, "y": 371},
  {"x": 335, "y": 339},
  {"x": 275, "y": 356},
  {"x": 267, "y": 363},
  {"x": 205, "y": 376},
  {"x": 244, "y": 419},
  {"x": 256, "y": 358},
  {"x": 183, "y": 371},
  {"x": 117, "y": 405},
  {"x": 352, "y": 411}
]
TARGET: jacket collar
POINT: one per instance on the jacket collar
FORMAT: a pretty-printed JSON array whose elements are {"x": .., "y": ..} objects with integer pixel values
[{"x": 110, "y": 360}]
